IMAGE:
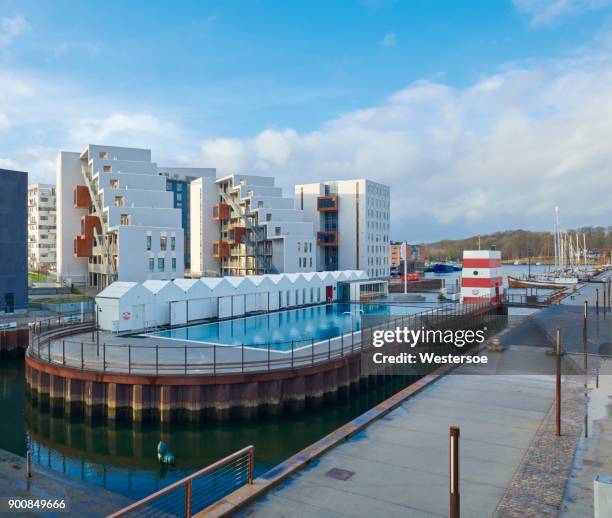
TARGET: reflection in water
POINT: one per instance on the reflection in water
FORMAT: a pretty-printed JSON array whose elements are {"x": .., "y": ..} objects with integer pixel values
[{"x": 122, "y": 457}]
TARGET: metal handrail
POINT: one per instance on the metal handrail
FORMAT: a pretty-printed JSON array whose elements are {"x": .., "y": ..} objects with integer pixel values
[
  {"x": 303, "y": 353},
  {"x": 187, "y": 482}
]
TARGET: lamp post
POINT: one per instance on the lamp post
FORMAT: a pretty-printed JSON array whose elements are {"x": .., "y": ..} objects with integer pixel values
[{"x": 96, "y": 310}]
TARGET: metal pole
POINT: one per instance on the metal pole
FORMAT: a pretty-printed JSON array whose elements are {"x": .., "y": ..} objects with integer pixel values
[
  {"x": 82, "y": 361},
  {"x": 129, "y": 358},
  {"x": 28, "y": 464},
  {"x": 251, "y": 465},
  {"x": 586, "y": 425},
  {"x": 604, "y": 302},
  {"x": 268, "y": 356},
  {"x": 63, "y": 353},
  {"x": 214, "y": 358},
  {"x": 188, "y": 499},
  {"x": 156, "y": 359},
  {"x": 597, "y": 301},
  {"x": 454, "y": 472},
  {"x": 312, "y": 350},
  {"x": 242, "y": 358},
  {"x": 405, "y": 261},
  {"x": 585, "y": 335},
  {"x": 558, "y": 383},
  {"x": 185, "y": 359},
  {"x": 104, "y": 357},
  {"x": 292, "y": 354}
]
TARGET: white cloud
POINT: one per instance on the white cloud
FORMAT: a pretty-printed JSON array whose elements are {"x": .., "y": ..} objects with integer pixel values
[
  {"x": 499, "y": 153},
  {"x": 5, "y": 123},
  {"x": 543, "y": 12},
  {"x": 389, "y": 40},
  {"x": 11, "y": 28},
  {"x": 130, "y": 129}
]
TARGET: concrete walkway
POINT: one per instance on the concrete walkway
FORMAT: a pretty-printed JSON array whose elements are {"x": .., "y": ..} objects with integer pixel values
[
  {"x": 399, "y": 464},
  {"x": 81, "y": 499}
]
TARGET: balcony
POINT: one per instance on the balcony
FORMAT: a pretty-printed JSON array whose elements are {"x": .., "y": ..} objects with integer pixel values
[
  {"x": 220, "y": 249},
  {"x": 327, "y": 238},
  {"x": 82, "y": 200},
  {"x": 327, "y": 203},
  {"x": 221, "y": 212},
  {"x": 83, "y": 244},
  {"x": 236, "y": 235}
]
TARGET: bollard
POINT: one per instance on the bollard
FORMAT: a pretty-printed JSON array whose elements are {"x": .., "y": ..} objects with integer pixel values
[
  {"x": 586, "y": 425},
  {"x": 597, "y": 301},
  {"x": 28, "y": 464},
  {"x": 558, "y": 381},
  {"x": 454, "y": 472}
]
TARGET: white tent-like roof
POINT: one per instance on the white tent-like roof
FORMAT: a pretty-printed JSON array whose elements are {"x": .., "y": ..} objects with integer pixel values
[
  {"x": 164, "y": 291},
  {"x": 130, "y": 292}
]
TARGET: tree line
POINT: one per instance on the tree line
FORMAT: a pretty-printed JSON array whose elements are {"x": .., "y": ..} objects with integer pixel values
[{"x": 517, "y": 244}]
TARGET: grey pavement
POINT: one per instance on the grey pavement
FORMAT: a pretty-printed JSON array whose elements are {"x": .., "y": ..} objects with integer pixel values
[
  {"x": 400, "y": 462},
  {"x": 81, "y": 498}
]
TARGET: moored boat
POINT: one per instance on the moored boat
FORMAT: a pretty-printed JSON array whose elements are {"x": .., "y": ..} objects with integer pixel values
[{"x": 514, "y": 282}]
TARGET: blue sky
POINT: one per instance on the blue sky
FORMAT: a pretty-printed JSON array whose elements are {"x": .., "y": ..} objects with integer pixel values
[{"x": 434, "y": 97}]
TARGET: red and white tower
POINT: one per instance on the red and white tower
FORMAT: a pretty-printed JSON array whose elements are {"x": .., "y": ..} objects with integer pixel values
[{"x": 481, "y": 278}]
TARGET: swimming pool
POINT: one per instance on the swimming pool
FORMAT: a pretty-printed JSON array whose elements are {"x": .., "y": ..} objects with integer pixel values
[{"x": 281, "y": 328}]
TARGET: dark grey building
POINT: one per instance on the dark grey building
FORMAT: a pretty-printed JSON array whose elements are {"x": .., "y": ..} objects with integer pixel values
[{"x": 13, "y": 241}]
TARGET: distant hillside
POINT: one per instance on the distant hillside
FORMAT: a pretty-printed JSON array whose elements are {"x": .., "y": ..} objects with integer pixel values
[{"x": 516, "y": 244}]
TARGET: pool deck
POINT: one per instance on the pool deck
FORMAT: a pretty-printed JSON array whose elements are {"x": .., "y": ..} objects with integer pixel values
[{"x": 82, "y": 499}]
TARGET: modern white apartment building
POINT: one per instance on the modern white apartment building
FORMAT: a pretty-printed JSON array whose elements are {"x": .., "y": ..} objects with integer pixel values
[
  {"x": 177, "y": 182},
  {"x": 351, "y": 220},
  {"x": 41, "y": 227},
  {"x": 115, "y": 218},
  {"x": 242, "y": 225}
]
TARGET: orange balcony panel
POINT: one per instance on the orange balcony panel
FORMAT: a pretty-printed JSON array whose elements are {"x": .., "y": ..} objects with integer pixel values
[
  {"x": 82, "y": 246},
  {"x": 327, "y": 203},
  {"x": 236, "y": 235},
  {"x": 221, "y": 212},
  {"x": 82, "y": 200},
  {"x": 88, "y": 223},
  {"x": 327, "y": 238},
  {"x": 220, "y": 249}
]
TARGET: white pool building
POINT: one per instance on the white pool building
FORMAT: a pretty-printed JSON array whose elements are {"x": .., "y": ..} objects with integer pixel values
[{"x": 132, "y": 306}]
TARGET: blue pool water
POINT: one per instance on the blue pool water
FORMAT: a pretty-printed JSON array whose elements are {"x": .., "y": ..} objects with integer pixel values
[{"x": 281, "y": 328}]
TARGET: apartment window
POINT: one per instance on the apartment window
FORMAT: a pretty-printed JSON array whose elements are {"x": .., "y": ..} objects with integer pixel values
[
  {"x": 260, "y": 204},
  {"x": 107, "y": 168},
  {"x": 277, "y": 231},
  {"x": 151, "y": 264},
  {"x": 172, "y": 243},
  {"x": 174, "y": 264},
  {"x": 161, "y": 264},
  {"x": 299, "y": 246},
  {"x": 118, "y": 201},
  {"x": 162, "y": 243},
  {"x": 268, "y": 217},
  {"x": 179, "y": 187},
  {"x": 149, "y": 243},
  {"x": 179, "y": 196},
  {"x": 311, "y": 262},
  {"x": 114, "y": 183},
  {"x": 125, "y": 219}
]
